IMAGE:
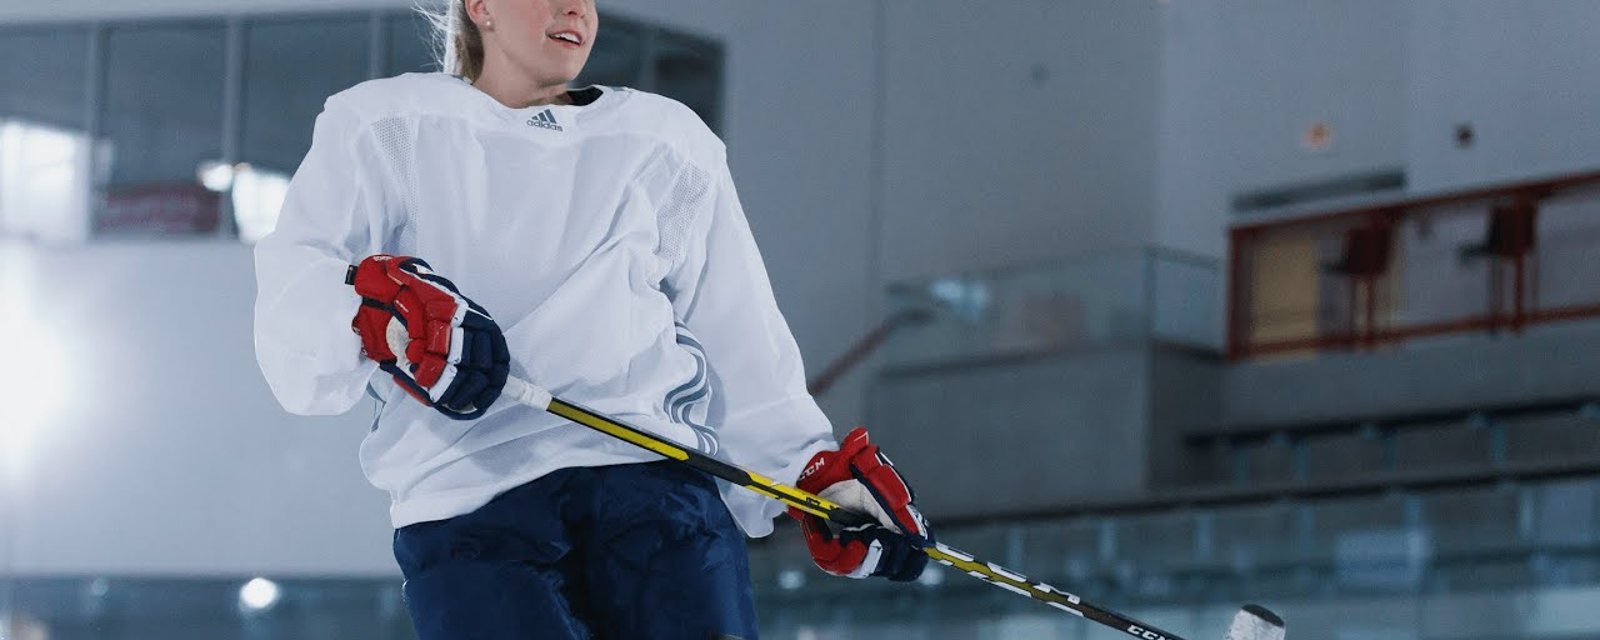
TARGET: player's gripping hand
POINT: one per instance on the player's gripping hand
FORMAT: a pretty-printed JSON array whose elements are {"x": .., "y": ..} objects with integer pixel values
[
  {"x": 860, "y": 478},
  {"x": 440, "y": 347}
]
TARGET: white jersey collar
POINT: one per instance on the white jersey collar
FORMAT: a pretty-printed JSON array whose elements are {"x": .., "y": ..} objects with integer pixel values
[{"x": 555, "y": 118}]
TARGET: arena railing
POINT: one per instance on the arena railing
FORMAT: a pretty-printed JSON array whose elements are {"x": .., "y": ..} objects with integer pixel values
[
  {"x": 1126, "y": 297},
  {"x": 1495, "y": 259},
  {"x": 1395, "y": 533}
]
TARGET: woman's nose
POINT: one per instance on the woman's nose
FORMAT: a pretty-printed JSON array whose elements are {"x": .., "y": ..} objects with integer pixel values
[{"x": 572, "y": 7}]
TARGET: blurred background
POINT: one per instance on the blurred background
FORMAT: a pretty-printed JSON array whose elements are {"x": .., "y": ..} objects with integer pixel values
[{"x": 1175, "y": 304}]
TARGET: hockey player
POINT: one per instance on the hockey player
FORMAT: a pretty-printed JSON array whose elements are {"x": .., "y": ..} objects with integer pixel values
[{"x": 447, "y": 229}]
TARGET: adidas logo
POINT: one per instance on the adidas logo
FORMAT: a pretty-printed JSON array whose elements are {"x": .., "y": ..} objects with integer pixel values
[{"x": 545, "y": 120}]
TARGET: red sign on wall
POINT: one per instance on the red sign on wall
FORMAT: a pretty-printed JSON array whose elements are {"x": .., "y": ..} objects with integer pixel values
[{"x": 179, "y": 209}]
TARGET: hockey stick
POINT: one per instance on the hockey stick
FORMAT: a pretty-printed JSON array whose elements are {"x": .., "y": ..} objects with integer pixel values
[{"x": 1251, "y": 623}]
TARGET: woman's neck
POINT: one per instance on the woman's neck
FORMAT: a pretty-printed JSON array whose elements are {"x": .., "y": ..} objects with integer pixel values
[{"x": 503, "y": 84}]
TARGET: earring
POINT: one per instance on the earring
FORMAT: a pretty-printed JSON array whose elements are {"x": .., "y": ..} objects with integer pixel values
[{"x": 488, "y": 24}]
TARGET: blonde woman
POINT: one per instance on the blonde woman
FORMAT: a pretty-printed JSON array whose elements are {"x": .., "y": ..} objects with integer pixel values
[{"x": 589, "y": 240}]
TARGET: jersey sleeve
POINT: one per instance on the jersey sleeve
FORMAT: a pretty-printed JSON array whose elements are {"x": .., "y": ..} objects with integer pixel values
[
  {"x": 764, "y": 418},
  {"x": 335, "y": 213}
]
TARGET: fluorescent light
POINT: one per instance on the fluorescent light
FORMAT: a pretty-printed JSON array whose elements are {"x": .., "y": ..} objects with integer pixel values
[
  {"x": 258, "y": 197},
  {"x": 32, "y": 396},
  {"x": 45, "y": 176},
  {"x": 258, "y": 595},
  {"x": 215, "y": 175},
  {"x": 791, "y": 579}
]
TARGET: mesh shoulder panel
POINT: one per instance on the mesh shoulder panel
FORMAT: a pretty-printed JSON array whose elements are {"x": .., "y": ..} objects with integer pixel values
[
  {"x": 688, "y": 195},
  {"x": 395, "y": 139}
]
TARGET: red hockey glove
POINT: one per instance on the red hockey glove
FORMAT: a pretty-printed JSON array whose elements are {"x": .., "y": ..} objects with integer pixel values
[
  {"x": 860, "y": 478},
  {"x": 440, "y": 347}
]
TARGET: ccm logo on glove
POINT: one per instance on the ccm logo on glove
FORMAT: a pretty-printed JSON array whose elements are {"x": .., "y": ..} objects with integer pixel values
[
  {"x": 440, "y": 347},
  {"x": 860, "y": 478}
]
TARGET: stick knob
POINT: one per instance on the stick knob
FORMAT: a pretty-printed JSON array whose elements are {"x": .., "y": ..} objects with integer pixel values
[{"x": 527, "y": 393}]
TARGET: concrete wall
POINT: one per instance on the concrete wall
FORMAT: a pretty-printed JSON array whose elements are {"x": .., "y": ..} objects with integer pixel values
[
  {"x": 1243, "y": 80},
  {"x": 1185, "y": 392},
  {"x": 1241, "y": 83},
  {"x": 1019, "y": 436},
  {"x": 801, "y": 146},
  {"x": 1522, "y": 73},
  {"x": 1545, "y": 363},
  {"x": 1017, "y": 132}
]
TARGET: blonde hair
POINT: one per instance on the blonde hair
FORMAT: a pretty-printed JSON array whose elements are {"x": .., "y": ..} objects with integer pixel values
[{"x": 458, "y": 45}]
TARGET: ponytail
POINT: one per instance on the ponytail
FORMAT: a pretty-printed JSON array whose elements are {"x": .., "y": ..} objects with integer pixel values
[{"x": 458, "y": 44}]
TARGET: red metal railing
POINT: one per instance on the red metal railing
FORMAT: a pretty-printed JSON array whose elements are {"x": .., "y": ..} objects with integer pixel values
[
  {"x": 1485, "y": 260},
  {"x": 864, "y": 347}
]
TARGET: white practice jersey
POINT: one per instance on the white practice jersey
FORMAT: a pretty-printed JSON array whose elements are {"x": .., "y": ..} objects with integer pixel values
[{"x": 606, "y": 240}]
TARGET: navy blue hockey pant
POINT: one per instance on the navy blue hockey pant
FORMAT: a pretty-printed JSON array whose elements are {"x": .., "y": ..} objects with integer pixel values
[{"x": 627, "y": 552}]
